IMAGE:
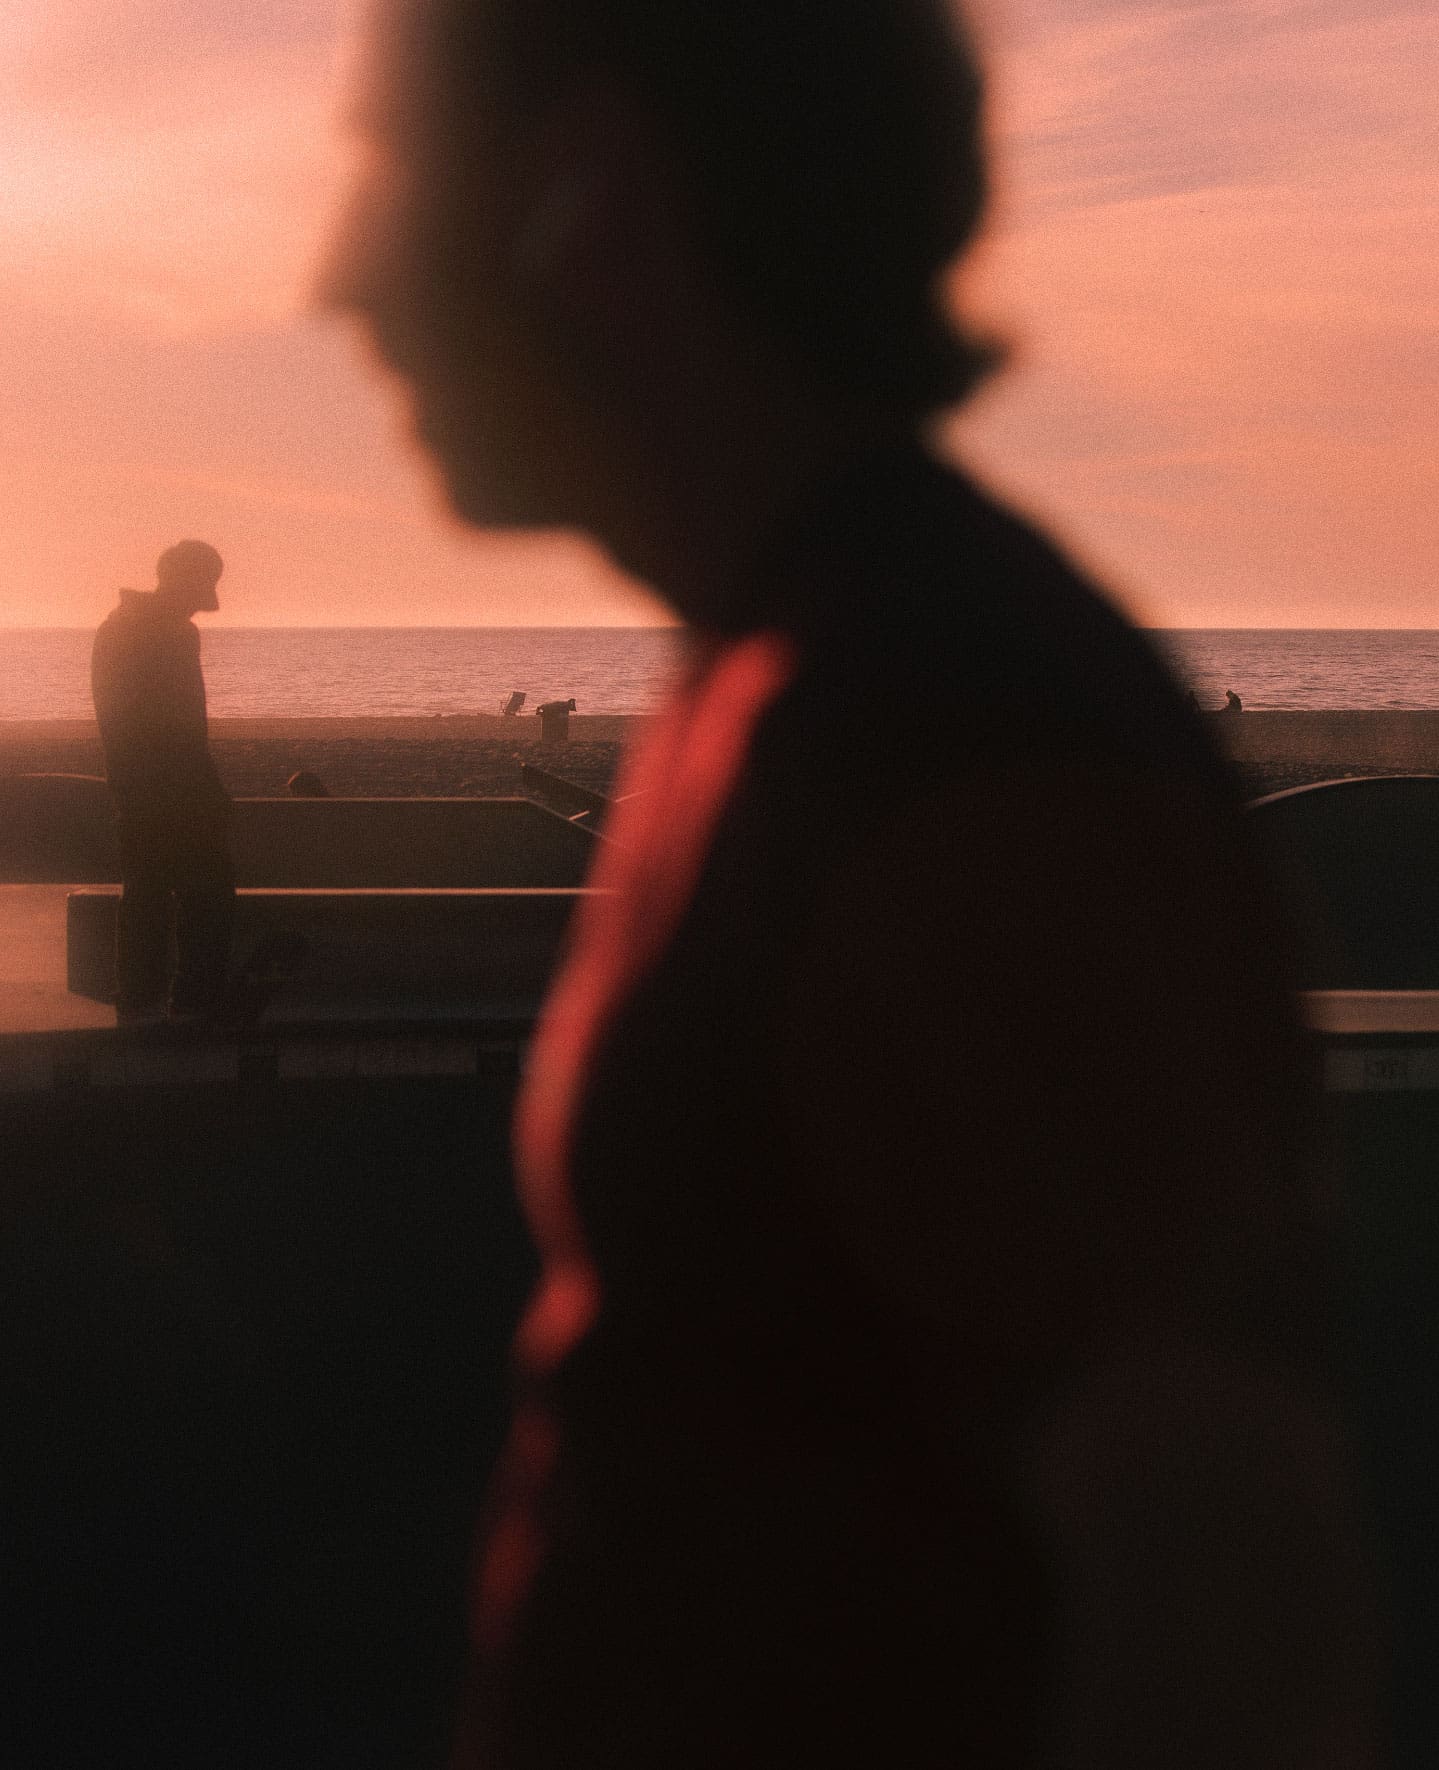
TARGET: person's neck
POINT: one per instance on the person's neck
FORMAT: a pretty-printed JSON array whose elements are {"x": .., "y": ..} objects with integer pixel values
[
  {"x": 178, "y": 608},
  {"x": 719, "y": 494}
]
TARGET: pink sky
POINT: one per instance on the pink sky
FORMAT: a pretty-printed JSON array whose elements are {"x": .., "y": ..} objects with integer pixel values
[{"x": 1214, "y": 248}]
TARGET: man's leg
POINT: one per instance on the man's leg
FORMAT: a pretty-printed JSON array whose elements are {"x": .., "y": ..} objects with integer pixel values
[
  {"x": 204, "y": 924},
  {"x": 143, "y": 927}
]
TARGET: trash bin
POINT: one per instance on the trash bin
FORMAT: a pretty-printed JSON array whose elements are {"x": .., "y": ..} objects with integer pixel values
[{"x": 555, "y": 721}]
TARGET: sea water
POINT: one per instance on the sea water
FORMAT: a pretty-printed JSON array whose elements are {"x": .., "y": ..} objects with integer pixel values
[
  {"x": 1319, "y": 671},
  {"x": 317, "y": 672},
  {"x": 423, "y": 671}
]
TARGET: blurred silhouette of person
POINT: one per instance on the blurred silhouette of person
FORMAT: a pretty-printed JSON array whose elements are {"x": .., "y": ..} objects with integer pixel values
[
  {"x": 929, "y": 1364},
  {"x": 175, "y": 865},
  {"x": 1232, "y": 702}
]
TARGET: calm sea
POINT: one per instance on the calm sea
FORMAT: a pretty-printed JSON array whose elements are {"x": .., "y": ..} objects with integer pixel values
[
  {"x": 314, "y": 672},
  {"x": 268, "y": 672}
]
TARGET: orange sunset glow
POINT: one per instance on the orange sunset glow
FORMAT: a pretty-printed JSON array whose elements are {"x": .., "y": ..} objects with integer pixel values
[{"x": 1213, "y": 248}]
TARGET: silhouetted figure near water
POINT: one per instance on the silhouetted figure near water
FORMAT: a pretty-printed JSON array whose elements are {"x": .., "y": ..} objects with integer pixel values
[
  {"x": 928, "y": 1367},
  {"x": 174, "y": 813},
  {"x": 1232, "y": 702}
]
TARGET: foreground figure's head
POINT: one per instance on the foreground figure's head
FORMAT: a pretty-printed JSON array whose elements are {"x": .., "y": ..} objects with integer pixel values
[
  {"x": 613, "y": 245},
  {"x": 187, "y": 576}
]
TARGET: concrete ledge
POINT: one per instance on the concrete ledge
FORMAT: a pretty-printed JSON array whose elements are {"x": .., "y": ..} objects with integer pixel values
[
  {"x": 1350, "y": 742},
  {"x": 59, "y": 829},
  {"x": 361, "y": 1052},
  {"x": 400, "y": 844},
  {"x": 1368, "y": 1013},
  {"x": 56, "y": 829},
  {"x": 496, "y": 948}
]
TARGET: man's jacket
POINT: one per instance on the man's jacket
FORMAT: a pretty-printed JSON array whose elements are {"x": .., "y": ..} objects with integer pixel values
[{"x": 149, "y": 697}]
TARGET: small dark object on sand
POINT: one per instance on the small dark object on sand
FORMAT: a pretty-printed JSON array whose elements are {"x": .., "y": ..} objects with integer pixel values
[
  {"x": 304, "y": 785},
  {"x": 512, "y": 703},
  {"x": 555, "y": 721}
]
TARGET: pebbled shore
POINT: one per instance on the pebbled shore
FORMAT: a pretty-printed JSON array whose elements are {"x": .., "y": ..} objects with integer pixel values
[{"x": 481, "y": 754}]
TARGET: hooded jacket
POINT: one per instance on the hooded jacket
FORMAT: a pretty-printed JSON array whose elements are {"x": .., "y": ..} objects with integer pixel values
[{"x": 149, "y": 694}]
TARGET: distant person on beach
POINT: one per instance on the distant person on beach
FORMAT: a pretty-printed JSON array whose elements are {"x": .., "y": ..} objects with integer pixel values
[
  {"x": 929, "y": 1362},
  {"x": 175, "y": 864},
  {"x": 1232, "y": 702}
]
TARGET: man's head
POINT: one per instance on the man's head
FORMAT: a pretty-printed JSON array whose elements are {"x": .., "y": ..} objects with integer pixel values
[
  {"x": 584, "y": 215},
  {"x": 187, "y": 575}
]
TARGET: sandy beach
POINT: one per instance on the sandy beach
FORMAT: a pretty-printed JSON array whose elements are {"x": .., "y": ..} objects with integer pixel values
[
  {"x": 481, "y": 754},
  {"x": 1273, "y": 751},
  {"x": 459, "y": 756}
]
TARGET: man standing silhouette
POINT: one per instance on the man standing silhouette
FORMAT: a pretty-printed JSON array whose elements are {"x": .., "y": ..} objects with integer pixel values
[{"x": 149, "y": 695}]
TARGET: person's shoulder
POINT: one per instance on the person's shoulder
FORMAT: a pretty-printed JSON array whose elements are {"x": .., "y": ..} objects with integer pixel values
[
  {"x": 1020, "y": 600},
  {"x": 133, "y": 613},
  {"x": 940, "y": 621},
  {"x": 114, "y": 632}
]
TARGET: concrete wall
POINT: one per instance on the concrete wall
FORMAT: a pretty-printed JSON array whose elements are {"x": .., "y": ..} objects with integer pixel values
[
  {"x": 1349, "y": 743},
  {"x": 490, "y": 950},
  {"x": 58, "y": 829},
  {"x": 419, "y": 843}
]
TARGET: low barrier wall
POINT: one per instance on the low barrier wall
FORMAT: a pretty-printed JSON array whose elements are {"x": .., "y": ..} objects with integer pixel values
[
  {"x": 406, "y": 843},
  {"x": 493, "y": 949},
  {"x": 1364, "y": 742},
  {"x": 60, "y": 830}
]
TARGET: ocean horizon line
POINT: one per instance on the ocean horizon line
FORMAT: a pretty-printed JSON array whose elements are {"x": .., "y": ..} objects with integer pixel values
[
  {"x": 387, "y": 627},
  {"x": 606, "y": 627}
]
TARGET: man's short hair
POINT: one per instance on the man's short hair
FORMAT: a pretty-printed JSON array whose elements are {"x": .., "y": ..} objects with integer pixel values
[
  {"x": 834, "y": 153},
  {"x": 188, "y": 561}
]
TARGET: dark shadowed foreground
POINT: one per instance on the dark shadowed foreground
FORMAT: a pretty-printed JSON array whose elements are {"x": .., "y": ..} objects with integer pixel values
[{"x": 252, "y": 1384}]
